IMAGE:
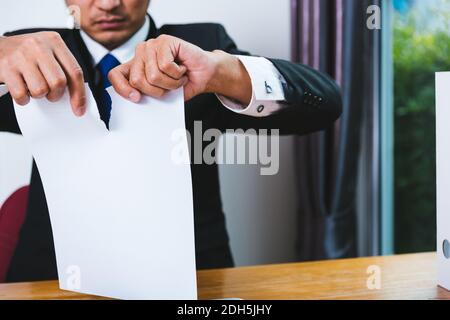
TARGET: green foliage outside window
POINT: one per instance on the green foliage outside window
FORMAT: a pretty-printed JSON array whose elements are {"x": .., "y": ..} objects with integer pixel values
[{"x": 419, "y": 52}]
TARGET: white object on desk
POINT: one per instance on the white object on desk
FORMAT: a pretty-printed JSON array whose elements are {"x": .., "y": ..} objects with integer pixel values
[
  {"x": 443, "y": 176},
  {"x": 121, "y": 209}
]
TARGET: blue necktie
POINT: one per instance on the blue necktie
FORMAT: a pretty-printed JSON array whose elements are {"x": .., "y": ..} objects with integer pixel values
[{"x": 108, "y": 63}]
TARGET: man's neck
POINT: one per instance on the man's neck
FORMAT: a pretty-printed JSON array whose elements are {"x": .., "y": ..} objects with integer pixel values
[{"x": 123, "y": 52}]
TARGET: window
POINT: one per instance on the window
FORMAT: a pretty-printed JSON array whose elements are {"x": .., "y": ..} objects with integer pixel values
[{"x": 421, "y": 46}]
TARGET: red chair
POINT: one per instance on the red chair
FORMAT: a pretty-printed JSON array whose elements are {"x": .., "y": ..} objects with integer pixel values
[{"x": 12, "y": 217}]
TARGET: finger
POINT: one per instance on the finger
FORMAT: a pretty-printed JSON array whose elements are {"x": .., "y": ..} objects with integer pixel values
[
  {"x": 166, "y": 63},
  {"x": 157, "y": 78},
  {"x": 54, "y": 75},
  {"x": 75, "y": 79},
  {"x": 17, "y": 87},
  {"x": 36, "y": 83},
  {"x": 189, "y": 93},
  {"x": 138, "y": 80},
  {"x": 119, "y": 80}
]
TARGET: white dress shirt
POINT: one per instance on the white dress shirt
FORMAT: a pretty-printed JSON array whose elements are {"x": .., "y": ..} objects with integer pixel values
[{"x": 266, "y": 79}]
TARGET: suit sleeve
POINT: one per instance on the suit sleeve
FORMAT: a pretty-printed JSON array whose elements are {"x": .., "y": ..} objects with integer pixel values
[{"x": 312, "y": 99}]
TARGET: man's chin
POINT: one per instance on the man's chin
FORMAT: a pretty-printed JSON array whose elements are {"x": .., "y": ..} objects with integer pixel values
[{"x": 111, "y": 38}]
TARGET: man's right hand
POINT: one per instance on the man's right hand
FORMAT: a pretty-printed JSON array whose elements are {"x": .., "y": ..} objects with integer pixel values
[{"x": 40, "y": 65}]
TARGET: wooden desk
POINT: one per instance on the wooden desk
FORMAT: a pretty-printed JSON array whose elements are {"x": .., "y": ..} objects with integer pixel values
[{"x": 403, "y": 277}]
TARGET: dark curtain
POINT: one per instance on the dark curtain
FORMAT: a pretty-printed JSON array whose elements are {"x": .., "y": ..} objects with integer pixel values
[{"x": 332, "y": 36}]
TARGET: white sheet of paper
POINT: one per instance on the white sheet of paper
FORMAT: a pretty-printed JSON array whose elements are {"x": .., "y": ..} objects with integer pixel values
[
  {"x": 121, "y": 210},
  {"x": 443, "y": 173}
]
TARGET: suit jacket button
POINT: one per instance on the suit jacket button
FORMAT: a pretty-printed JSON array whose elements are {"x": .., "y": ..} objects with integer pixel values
[
  {"x": 269, "y": 89},
  {"x": 260, "y": 109}
]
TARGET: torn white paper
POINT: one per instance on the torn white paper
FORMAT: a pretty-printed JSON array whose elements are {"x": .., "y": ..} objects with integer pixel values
[{"x": 121, "y": 209}]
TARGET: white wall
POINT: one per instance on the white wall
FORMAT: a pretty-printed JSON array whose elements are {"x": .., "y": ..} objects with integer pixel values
[{"x": 260, "y": 210}]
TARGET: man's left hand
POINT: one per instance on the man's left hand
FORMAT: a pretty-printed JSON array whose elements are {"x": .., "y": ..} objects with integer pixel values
[{"x": 168, "y": 63}]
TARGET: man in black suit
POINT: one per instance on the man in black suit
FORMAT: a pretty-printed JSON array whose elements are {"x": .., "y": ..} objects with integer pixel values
[{"x": 120, "y": 45}]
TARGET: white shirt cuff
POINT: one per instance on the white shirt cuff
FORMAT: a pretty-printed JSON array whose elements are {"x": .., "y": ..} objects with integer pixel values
[
  {"x": 267, "y": 83},
  {"x": 3, "y": 90}
]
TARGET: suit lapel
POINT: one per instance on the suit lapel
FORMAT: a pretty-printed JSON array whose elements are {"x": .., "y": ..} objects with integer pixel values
[
  {"x": 154, "y": 32},
  {"x": 84, "y": 58}
]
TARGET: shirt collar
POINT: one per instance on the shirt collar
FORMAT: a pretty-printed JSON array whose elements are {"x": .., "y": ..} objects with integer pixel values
[{"x": 124, "y": 53}]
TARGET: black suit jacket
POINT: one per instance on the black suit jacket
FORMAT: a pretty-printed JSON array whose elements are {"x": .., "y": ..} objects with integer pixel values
[{"x": 35, "y": 259}]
